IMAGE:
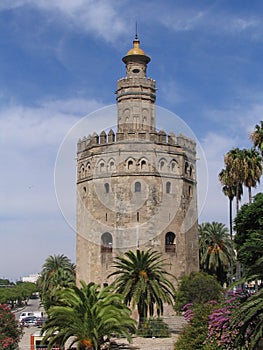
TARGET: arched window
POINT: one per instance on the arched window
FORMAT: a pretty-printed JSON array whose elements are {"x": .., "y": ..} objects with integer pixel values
[
  {"x": 112, "y": 165},
  {"x": 170, "y": 245},
  {"x": 173, "y": 166},
  {"x": 130, "y": 164},
  {"x": 102, "y": 167},
  {"x": 107, "y": 187},
  {"x": 168, "y": 187},
  {"x": 82, "y": 170},
  {"x": 191, "y": 170},
  {"x": 137, "y": 186},
  {"x": 106, "y": 243},
  {"x": 190, "y": 191},
  {"x": 186, "y": 168},
  {"x": 162, "y": 165},
  {"x": 143, "y": 164}
]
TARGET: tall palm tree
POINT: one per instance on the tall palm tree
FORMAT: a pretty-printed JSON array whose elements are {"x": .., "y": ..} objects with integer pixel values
[
  {"x": 216, "y": 249},
  {"x": 229, "y": 190},
  {"x": 144, "y": 282},
  {"x": 234, "y": 161},
  {"x": 88, "y": 314},
  {"x": 257, "y": 137},
  {"x": 57, "y": 272},
  {"x": 252, "y": 169}
]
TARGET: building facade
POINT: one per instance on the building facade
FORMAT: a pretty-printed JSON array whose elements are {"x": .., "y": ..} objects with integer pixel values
[{"x": 136, "y": 186}]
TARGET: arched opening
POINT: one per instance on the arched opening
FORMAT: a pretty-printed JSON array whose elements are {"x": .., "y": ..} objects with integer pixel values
[
  {"x": 106, "y": 243},
  {"x": 170, "y": 244},
  {"x": 130, "y": 164},
  {"x": 143, "y": 164},
  {"x": 191, "y": 171},
  {"x": 137, "y": 186},
  {"x": 168, "y": 187},
  {"x": 186, "y": 168},
  {"x": 102, "y": 167}
]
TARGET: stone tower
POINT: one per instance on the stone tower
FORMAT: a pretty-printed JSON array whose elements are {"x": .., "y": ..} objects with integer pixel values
[{"x": 136, "y": 186}]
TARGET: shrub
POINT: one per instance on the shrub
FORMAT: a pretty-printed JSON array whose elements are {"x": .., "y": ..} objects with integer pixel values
[
  {"x": 194, "y": 333},
  {"x": 10, "y": 332},
  {"x": 197, "y": 288}
]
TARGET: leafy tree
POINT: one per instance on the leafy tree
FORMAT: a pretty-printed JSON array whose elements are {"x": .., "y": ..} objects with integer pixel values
[
  {"x": 90, "y": 315},
  {"x": 144, "y": 282},
  {"x": 57, "y": 272},
  {"x": 248, "y": 225},
  {"x": 253, "y": 169},
  {"x": 216, "y": 250},
  {"x": 10, "y": 332},
  {"x": 197, "y": 288}
]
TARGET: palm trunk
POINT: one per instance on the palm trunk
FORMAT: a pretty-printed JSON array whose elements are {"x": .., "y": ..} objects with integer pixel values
[
  {"x": 231, "y": 238},
  {"x": 249, "y": 195}
]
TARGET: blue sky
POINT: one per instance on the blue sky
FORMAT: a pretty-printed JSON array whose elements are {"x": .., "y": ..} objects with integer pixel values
[{"x": 61, "y": 60}]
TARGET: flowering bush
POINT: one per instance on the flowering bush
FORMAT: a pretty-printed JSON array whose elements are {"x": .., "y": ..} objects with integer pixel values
[
  {"x": 10, "y": 332},
  {"x": 220, "y": 330},
  {"x": 210, "y": 325},
  {"x": 195, "y": 331}
]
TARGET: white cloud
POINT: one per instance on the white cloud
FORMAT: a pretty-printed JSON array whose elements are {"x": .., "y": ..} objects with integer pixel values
[
  {"x": 30, "y": 139},
  {"x": 96, "y": 16}
]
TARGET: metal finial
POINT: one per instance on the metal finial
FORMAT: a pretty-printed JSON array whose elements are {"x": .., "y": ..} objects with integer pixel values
[{"x": 136, "y": 31}]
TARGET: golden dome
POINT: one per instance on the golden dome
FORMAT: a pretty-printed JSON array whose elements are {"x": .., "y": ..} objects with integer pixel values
[
  {"x": 136, "y": 53},
  {"x": 136, "y": 50}
]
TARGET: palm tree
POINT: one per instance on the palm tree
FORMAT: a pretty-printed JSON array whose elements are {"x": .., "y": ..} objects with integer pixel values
[
  {"x": 216, "y": 249},
  {"x": 57, "y": 272},
  {"x": 257, "y": 137},
  {"x": 234, "y": 161},
  {"x": 229, "y": 190},
  {"x": 253, "y": 169},
  {"x": 88, "y": 314},
  {"x": 144, "y": 282}
]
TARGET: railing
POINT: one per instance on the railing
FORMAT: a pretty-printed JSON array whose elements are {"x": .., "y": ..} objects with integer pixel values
[
  {"x": 106, "y": 249},
  {"x": 170, "y": 248}
]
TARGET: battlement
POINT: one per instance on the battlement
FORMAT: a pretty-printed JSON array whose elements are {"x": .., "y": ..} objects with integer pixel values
[{"x": 160, "y": 137}]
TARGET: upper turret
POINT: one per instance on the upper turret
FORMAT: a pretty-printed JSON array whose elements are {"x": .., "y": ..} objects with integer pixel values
[{"x": 136, "y": 93}]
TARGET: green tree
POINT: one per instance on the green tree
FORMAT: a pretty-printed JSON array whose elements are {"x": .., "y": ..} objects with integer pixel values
[
  {"x": 257, "y": 137},
  {"x": 57, "y": 272},
  {"x": 197, "y": 288},
  {"x": 252, "y": 169},
  {"x": 88, "y": 314},
  {"x": 247, "y": 222},
  {"x": 216, "y": 250},
  {"x": 144, "y": 282},
  {"x": 10, "y": 332}
]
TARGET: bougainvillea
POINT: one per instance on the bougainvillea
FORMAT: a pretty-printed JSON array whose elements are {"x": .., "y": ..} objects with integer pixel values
[
  {"x": 220, "y": 330},
  {"x": 10, "y": 331},
  {"x": 210, "y": 325}
]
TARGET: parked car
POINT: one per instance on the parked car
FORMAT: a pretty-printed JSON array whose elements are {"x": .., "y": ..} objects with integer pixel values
[
  {"x": 40, "y": 321},
  {"x": 28, "y": 321},
  {"x": 30, "y": 314}
]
